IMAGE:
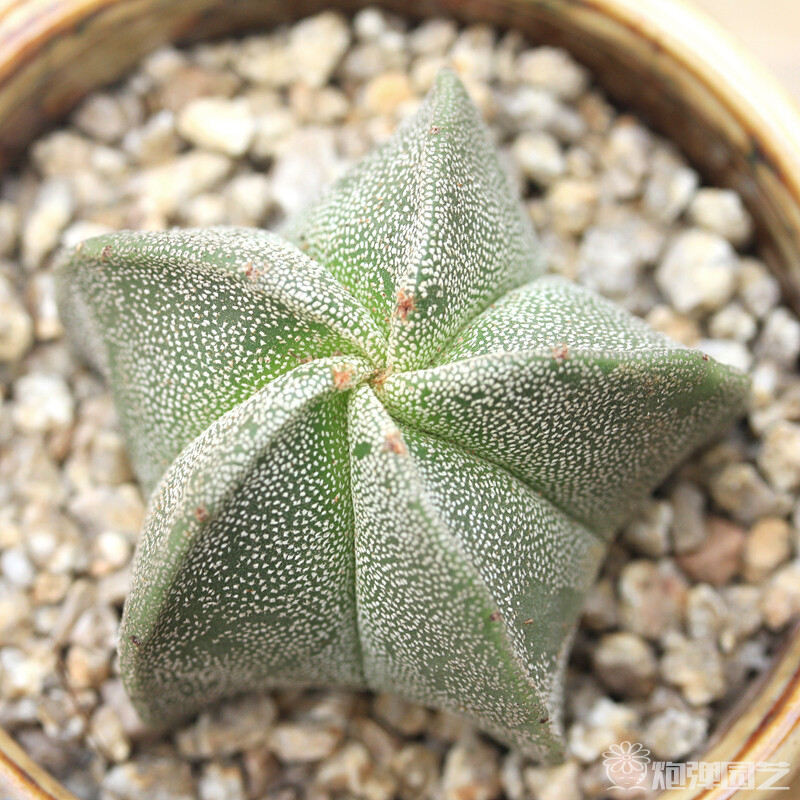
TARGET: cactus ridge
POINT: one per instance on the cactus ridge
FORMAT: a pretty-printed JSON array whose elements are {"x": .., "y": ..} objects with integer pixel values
[{"x": 386, "y": 452}]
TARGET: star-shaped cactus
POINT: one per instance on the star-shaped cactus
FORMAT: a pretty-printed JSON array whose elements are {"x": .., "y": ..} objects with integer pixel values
[{"x": 386, "y": 453}]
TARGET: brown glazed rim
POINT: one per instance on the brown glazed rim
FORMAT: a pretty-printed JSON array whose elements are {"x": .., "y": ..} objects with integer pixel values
[{"x": 661, "y": 58}]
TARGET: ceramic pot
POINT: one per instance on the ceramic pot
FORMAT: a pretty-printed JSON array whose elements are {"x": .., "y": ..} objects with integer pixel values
[{"x": 661, "y": 58}]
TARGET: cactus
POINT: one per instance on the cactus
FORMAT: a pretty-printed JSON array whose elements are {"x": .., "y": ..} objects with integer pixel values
[{"x": 383, "y": 451}]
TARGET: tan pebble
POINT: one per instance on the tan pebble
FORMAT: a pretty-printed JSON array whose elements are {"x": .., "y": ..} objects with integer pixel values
[
  {"x": 386, "y": 92},
  {"x": 221, "y": 782},
  {"x": 780, "y": 602},
  {"x": 677, "y": 326},
  {"x": 652, "y": 597},
  {"x": 417, "y": 768},
  {"x": 625, "y": 663},
  {"x": 695, "y": 667},
  {"x": 148, "y": 777},
  {"x": 299, "y": 742},
  {"x": 719, "y": 558},
  {"x": 779, "y": 458},
  {"x": 406, "y": 718},
  {"x": 554, "y": 783},
  {"x": 471, "y": 770},
  {"x": 229, "y": 728},
  {"x": 108, "y": 734},
  {"x": 87, "y": 668},
  {"x": 605, "y": 723},
  {"x": 768, "y": 546},
  {"x": 572, "y": 204}
]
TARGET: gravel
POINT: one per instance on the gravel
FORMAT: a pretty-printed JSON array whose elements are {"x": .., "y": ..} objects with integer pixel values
[{"x": 695, "y": 594}]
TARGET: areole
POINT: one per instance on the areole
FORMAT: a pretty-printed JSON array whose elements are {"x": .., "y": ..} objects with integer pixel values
[{"x": 677, "y": 70}]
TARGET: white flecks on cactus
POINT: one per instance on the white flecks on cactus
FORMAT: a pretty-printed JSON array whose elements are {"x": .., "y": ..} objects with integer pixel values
[{"x": 388, "y": 455}]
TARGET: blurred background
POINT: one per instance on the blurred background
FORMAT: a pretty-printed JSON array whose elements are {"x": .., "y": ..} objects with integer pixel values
[{"x": 770, "y": 28}]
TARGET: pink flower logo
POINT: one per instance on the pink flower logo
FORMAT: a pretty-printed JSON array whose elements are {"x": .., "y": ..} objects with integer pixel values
[{"x": 626, "y": 764}]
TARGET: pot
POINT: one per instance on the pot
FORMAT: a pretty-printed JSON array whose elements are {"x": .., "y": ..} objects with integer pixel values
[{"x": 664, "y": 60}]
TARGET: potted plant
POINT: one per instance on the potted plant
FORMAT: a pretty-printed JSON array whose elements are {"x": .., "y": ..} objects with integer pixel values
[{"x": 703, "y": 94}]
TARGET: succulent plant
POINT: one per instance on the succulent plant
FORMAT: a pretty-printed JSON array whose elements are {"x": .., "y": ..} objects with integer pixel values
[{"x": 384, "y": 451}]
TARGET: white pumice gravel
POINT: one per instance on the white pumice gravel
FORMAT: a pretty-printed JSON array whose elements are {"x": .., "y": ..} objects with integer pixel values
[{"x": 697, "y": 591}]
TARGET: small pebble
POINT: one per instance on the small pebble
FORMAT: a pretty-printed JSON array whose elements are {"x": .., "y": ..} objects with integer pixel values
[
  {"x": 51, "y": 213},
  {"x": 733, "y": 322},
  {"x": 572, "y": 204},
  {"x": 607, "y": 261},
  {"x": 433, "y": 37},
  {"x": 779, "y": 457},
  {"x": 688, "y": 529},
  {"x": 600, "y": 612},
  {"x": 648, "y": 532},
  {"x": 554, "y": 783},
  {"x": 606, "y": 723},
  {"x": 104, "y": 117},
  {"x": 706, "y": 612},
  {"x": 42, "y": 404},
  {"x": 16, "y": 567},
  {"x": 351, "y": 770},
  {"x": 626, "y": 664},
  {"x": 652, "y": 597},
  {"x": 299, "y": 742},
  {"x": 109, "y": 735},
  {"x": 626, "y": 157},
  {"x": 553, "y": 70},
  {"x": 155, "y": 142},
  {"x": 695, "y": 667},
  {"x": 698, "y": 272},
  {"x": 740, "y": 490},
  {"x": 221, "y": 782},
  {"x": 780, "y": 338},
  {"x": 229, "y": 728},
  {"x": 406, "y": 718},
  {"x": 719, "y": 556},
  {"x": 722, "y": 211},
  {"x": 780, "y": 602},
  {"x": 306, "y": 164},
  {"x": 316, "y": 45},
  {"x": 248, "y": 199},
  {"x": 265, "y": 61},
  {"x": 674, "y": 733},
  {"x": 386, "y": 93},
  {"x": 24, "y": 670},
  {"x": 42, "y": 299},
  {"x": 471, "y": 770},
  {"x": 218, "y": 124},
  {"x": 670, "y": 186},
  {"x": 539, "y": 156},
  {"x": 165, "y": 188},
  {"x": 16, "y": 326},
  {"x": 87, "y": 668},
  {"x": 149, "y": 778},
  {"x": 678, "y": 327},
  {"x": 768, "y": 546},
  {"x": 472, "y": 54},
  {"x": 744, "y": 615},
  {"x": 758, "y": 288},
  {"x": 417, "y": 769}
]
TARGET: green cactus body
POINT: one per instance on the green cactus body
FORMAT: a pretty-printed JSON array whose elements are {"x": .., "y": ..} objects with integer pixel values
[{"x": 385, "y": 452}]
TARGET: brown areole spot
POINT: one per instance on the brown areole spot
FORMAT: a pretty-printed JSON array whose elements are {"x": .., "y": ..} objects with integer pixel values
[
  {"x": 405, "y": 305},
  {"x": 393, "y": 443}
]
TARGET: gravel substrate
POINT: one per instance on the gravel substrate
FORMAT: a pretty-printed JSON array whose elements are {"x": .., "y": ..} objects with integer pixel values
[{"x": 696, "y": 592}]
